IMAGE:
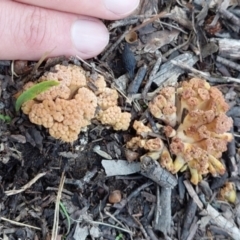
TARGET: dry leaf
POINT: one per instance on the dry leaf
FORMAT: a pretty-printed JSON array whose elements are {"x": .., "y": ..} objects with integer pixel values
[{"x": 159, "y": 39}]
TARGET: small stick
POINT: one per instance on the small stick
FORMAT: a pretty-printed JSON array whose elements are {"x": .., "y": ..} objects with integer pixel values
[
  {"x": 228, "y": 63},
  {"x": 151, "y": 77},
  {"x": 111, "y": 216},
  {"x": 229, "y": 16},
  {"x": 26, "y": 186},
  {"x": 135, "y": 84},
  {"x": 56, "y": 211},
  {"x": 152, "y": 170},
  {"x": 160, "y": 15},
  {"x": 18, "y": 223},
  {"x": 141, "y": 228},
  {"x": 151, "y": 234},
  {"x": 133, "y": 194},
  {"x": 223, "y": 223},
  {"x": 188, "y": 218},
  {"x": 193, "y": 229},
  {"x": 122, "y": 22},
  {"x": 205, "y": 74},
  {"x": 172, "y": 26},
  {"x": 162, "y": 221},
  {"x": 177, "y": 47},
  {"x": 193, "y": 194},
  {"x": 114, "y": 45}
]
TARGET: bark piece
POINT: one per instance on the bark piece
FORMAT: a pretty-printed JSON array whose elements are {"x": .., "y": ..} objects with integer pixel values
[
  {"x": 162, "y": 221},
  {"x": 120, "y": 167},
  {"x": 229, "y": 48},
  {"x": 168, "y": 73},
  {"x": 152, "y": 170}
]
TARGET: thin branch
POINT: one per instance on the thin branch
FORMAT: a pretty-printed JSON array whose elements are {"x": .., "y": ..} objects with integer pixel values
[
  {"x": 56, "y": 212},
  {"x": 18, "y": 223},
  {"x": 26, "y": 186}
]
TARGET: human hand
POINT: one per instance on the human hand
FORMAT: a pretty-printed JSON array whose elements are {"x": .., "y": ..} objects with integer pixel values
[{"x": 30, "y": 28}]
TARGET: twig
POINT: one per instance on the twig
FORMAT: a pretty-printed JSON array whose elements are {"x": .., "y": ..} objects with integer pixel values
[
  {"x": 122, "y": 22},
  {"x": 163, "y": 219},
  {"x": 151, "y": 234},
  {"x": 223, "y": 223},
  {"x": 109, "y": 225},
  {"x": 172, "y": 26},
  {"x": 151, "y": 77},
  {"x": 228, "y": 63},
  {"x": 188, "y": 218},
  {"x": 110, "y": 50},
  {"x": 89, "y": 65},
  {"x": 229, "y": 16},
  {"x": 177, "y": 47},
  {"x": 115, "y": 219},
  {"x": 205, "y": 75},
  {"x": 18, "y": 223},
  {"x": 137, "y": 81},
  {"x": 156, "y": 17},
  {"x": 56, "y": 212},
  {"x": 114, "y": 45},
  {"x": 141, "y": 228},
  {"x": 193, "y": 229},
  {"x": 193, "y": 194},
  {"x": 152, "y": 170},
  {"x": 133, "y": 194},
  {"x": 26, "y": 186}
]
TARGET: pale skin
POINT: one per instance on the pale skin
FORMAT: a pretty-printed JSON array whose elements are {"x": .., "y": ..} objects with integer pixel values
[{"x": 30, "y": 28}]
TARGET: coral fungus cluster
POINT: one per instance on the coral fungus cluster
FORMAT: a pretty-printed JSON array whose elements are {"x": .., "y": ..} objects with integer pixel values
[
  {"x": 67, "y": 108},
  {"x": 196, "y": 125}
]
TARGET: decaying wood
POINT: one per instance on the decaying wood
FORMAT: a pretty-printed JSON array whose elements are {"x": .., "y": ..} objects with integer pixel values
[
  {"x": 229, "y": 16},
  {"x": 120, "y": 167},
  {"x": 152, "y": 170},
  {"x": 228, "y": 63},
  {"x": 123, "y": 22},
  {"x": 214, "y": 3},
  {"x": 168, "y": 73},
  {"x": 151, "y": 77},
  {"x": 223, "y": 223},
  {"x": 193, "y": 194},
  {"x": 205, "y": 75},
  {"x": 137, "y": 81},
  {"x": 217, "y": 218},
  {"x": 188, "y": 218},
  {"x": 229, "y": 48},
  {"x": 162, "y": 218}
]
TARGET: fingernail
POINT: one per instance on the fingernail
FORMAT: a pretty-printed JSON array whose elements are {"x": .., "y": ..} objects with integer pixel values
[
  {"x": 89, "y": 37},
  {"x": 121, "y": 7}
]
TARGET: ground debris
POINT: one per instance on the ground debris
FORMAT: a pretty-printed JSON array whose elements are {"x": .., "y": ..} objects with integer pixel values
[{"x": 169, "y": 42}]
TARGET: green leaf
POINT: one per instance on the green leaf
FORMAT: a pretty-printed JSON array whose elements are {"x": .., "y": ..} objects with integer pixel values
[
  {"x": 33, "y": 91},
  {"x": 5, "y": 118},
  {"x": 66, "y": 215},
  {"x": 119, "y": 237}
]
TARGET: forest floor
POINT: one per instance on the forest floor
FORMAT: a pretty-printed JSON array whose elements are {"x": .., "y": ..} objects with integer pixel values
[{"x": 95, "y": 188}]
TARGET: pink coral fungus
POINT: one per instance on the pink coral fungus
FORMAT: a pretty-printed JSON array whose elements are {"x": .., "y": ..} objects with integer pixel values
[
  {"x": 69, "y": 107},
  {"x": 197, "y": 126}
]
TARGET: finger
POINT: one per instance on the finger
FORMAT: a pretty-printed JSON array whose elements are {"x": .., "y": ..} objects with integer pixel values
[
  {"x": 27, "y": 32},
  {"x": 105, "y": 9}
]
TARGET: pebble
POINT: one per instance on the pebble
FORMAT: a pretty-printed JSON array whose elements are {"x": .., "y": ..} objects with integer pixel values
[{"x": 115, "y": 196}]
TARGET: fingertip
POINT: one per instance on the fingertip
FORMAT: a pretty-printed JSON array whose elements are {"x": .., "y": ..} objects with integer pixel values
[
  {"x": 89, "y": 37},
  {"x": 121, "y": 8}
]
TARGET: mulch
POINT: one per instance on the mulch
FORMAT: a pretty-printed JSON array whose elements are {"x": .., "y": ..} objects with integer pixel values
[{"x": 162, "y": 43}]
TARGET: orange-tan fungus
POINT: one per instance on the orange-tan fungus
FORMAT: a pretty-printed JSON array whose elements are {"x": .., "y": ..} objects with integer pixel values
[
  {"x": 196, "y": 124},
  {"x": 68, "y": 108}
]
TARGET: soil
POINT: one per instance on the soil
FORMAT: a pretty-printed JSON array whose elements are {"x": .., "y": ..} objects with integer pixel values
[{"x": 55, "y": 190}]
